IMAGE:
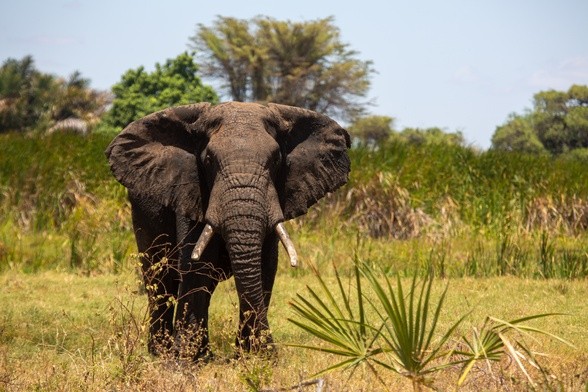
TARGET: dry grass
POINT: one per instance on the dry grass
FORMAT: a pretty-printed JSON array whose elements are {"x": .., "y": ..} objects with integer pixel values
[
  {"x": 382, "y": 209},
  {"x": 563, "y": 213},
  {"x": 62, "y": 331}
]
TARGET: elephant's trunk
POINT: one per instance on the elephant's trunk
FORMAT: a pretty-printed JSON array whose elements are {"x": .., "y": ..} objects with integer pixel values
[
  {"x": 244, "y": 230},
  {"x": 208, "y": 232}
]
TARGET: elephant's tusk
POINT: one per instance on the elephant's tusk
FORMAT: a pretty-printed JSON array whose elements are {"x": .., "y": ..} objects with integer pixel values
[
  {"x": 288, "y": 245},
  {"x": 204, "y": 239}
]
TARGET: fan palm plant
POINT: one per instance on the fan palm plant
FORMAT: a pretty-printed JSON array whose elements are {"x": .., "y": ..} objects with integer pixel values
[
  {"x": 492, "y": 341},
  {"x": 384, "y": 326},
  {"x": 400, "y": 340},
  {"x": 340, "y": 322}
]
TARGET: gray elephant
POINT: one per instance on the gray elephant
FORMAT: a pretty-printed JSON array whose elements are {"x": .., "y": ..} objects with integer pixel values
[{"x": 209, "y": 186}]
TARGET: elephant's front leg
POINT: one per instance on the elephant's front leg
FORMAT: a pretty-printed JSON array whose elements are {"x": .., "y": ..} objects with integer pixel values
[
  {"x": 191, "y": 326},
  {"x": 161, "y": 285},
  {"x": 160, "y": 277},
  {"x": 197, "y": 282}
]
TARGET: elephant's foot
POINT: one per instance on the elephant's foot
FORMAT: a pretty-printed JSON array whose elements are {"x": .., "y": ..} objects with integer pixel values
[
  {"x": 159, "y": 343},
  {"x": 191, "y": 344},
  {"x": 260, "y": 343}
]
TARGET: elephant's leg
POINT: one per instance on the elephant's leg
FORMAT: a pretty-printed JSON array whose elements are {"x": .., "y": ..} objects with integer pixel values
[
  {"x": 191, "y": 332},
  {"x": 150, "y": 222},
  {"x": 198, "y": 281},
  {"x": 161, "y": 284}
]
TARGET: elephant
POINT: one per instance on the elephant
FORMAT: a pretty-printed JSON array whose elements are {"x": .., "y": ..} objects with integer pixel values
[{"x": 210, "y": 187}]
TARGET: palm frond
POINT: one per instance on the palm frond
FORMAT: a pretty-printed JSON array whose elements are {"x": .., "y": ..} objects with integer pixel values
[{"x": 492, "y": 341}]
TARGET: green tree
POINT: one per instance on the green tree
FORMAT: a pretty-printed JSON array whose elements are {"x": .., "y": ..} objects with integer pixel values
[
  {"x": 433, "y": 135},
  {"x": 372, "y": 130},
  {"x": 15, "y": 75},
  {"x": 140, "y": 92},
  {"x": 75, "y": 99},
  {"x": 517, "y": 135},
  {"x": 24, "y": 94},
  {"x": 229, "y": 53},
  {"x": 302, "y": 64},
  {"x": 561, "y": 118},
  {"x": 32, "y": 99},
  {"x": 558, "y": 123}
]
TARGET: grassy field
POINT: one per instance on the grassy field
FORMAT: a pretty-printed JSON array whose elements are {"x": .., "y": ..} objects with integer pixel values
[
  {"x": 507, "y": 232},
  {"x": 63, "y": 331}
]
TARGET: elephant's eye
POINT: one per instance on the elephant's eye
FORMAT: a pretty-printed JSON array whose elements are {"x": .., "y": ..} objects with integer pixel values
[
  {"x": 277, "y": 158},
  {"x": 207, "y": 160}
]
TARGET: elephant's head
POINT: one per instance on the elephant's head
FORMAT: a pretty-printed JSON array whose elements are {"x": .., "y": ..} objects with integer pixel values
[
  {"x": 240, "y": 168},
  {"x": 267, "y": 163}
]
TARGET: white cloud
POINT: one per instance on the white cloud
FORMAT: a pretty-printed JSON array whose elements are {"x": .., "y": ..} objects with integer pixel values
[
  {"x": 466, "y": 74},
  {"x": 562, "y": 75}
]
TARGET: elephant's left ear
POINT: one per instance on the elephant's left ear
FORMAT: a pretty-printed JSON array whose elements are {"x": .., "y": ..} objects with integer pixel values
[{"x": 316, "y": 157}]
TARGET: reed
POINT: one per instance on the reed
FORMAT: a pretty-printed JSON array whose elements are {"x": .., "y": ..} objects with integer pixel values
[{"x": 463, "y": 211}]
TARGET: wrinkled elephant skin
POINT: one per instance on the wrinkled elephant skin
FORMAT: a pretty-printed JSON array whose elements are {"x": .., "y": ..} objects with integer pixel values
[{"x": 210, "y": 186}]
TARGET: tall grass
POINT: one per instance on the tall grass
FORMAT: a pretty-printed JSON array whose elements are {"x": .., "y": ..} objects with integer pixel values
[
  {"x": 59, "y": 207},
  {"x": 486, "y": 186},
  {"x": 40, "y": 177},
  {"x": 459, "y": 211},
  {"x": 465, "y": 212}
]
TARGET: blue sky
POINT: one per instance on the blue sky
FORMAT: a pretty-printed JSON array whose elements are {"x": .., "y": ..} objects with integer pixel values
[{"x": 456, "y": 64}]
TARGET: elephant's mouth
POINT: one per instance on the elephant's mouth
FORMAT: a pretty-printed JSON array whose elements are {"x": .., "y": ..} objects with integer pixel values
[{"x": 208, "y": 232}]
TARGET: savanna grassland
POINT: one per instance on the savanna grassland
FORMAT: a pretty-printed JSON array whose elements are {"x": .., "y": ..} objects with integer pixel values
[{"x": 505, "y": 233}]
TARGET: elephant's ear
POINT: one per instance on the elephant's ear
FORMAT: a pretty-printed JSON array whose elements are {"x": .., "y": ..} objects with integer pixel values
[
  {"x": 316, "y": 157},
  {"x": 154, "y": 157}
]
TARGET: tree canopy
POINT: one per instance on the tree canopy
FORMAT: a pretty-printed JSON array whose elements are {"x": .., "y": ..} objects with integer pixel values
[
  {"x": 31, "y": 99},
  {"x": 517, "y": 135},
  {"x": 558, "y": 123},
  {"x": 140, "y": 92},
  {"x": 302, "y": 64},
  {"x": 433, "y": 135},
  {"x": 372, "y": 129}
]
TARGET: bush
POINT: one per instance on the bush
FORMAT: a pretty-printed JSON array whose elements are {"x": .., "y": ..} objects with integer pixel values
[{"x": 140, "y": 93}]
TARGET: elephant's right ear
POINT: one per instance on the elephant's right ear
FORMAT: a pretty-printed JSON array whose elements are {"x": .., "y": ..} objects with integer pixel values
[{"x": 154, "y": 158}]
